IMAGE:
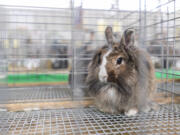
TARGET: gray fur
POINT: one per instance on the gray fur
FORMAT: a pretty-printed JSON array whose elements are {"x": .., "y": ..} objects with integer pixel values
[{"x": 130, "y": 89}]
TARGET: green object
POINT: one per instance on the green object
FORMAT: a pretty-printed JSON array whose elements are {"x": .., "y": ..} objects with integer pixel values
[
  {"x": 37, "y": 78},
  {"x": 170, "y": 74}
]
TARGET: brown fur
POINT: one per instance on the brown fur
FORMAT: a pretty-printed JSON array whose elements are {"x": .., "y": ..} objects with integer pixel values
[{"x": 130, "y": 84}]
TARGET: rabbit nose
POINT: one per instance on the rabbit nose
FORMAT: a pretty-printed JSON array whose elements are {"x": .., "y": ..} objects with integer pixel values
[
  {"x": 104, "y": 78},
  {"x": 103, "y": 75}
]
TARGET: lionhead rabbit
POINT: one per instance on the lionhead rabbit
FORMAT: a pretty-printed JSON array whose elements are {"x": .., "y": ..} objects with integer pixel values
[{"x": 121, "y": 76}]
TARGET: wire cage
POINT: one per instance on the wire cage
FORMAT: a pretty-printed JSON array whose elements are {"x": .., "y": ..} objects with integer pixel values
[{"x": 44, "y": 54}]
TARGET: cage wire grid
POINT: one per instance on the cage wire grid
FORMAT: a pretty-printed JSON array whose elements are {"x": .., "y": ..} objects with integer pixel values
[
  {"x": 33, "y": 33},
  {"x": 83, "y": 121},
  {"x": 41, "y": 94}
]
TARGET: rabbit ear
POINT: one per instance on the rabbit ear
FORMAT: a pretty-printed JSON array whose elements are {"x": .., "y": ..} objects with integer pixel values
[
  {"x": 127, "y": 37},
  {"x": 109, "y": 35}
]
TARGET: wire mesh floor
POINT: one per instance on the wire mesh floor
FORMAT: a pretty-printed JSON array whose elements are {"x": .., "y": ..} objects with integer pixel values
[
  {"x": 17, "y": 95},
  {"x": 85, "y": 121}
]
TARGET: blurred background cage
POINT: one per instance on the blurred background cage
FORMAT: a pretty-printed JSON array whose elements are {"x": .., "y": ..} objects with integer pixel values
[{"x": 44, "y": 53}]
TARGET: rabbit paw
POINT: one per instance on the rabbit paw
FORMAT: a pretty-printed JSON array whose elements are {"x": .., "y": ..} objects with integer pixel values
[{"x": 131, "y": 112}]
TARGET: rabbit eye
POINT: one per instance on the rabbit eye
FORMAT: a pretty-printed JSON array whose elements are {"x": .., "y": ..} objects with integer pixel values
[{"x": 119, "y": 60}]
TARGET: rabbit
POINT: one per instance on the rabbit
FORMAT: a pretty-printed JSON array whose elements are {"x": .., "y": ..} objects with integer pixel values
[{"x": 121, "y": 76}]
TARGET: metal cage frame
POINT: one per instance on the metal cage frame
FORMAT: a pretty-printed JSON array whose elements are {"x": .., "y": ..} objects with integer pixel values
[{"x": 44, "y": 56}]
